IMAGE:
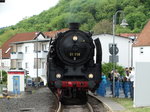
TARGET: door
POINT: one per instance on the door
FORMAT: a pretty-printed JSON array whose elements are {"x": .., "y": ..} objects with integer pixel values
[{"x": 16, "y": 84}]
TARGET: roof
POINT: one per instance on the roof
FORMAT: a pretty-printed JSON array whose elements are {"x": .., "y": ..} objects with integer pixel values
[
  {"x": 144, "y": 37},
  {"x": 25, "y": 37},
  {"x": 129, "y": 34},
  {"x": 16, "y": 38},
  {"x": 112, "y": 35}
]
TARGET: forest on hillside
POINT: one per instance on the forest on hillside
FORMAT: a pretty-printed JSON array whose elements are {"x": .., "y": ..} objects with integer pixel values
[{"x": 93, "y": 15}]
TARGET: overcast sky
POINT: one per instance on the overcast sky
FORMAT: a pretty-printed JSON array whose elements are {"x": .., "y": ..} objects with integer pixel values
[{"x": 13, "y": 11}]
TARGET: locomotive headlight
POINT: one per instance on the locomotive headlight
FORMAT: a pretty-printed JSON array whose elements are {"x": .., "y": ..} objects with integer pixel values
[
  {"x": 58, "y": 76},
  {"x": 75, "y": 38},
  {"x": 90, "y": 76}
]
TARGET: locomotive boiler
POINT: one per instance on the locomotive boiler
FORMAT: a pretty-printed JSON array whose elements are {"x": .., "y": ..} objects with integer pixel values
[{"x": 71, "y": 68}]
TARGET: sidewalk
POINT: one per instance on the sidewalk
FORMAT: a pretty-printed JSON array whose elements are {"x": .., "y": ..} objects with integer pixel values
[
  {"x": 108, "y": 102},
  {"x": 112, "y": 105},
  {"x": 108, "y": 93}
]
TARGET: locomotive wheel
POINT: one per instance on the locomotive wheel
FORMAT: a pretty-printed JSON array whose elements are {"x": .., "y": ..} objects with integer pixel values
[{"x": 76, "y": 98}]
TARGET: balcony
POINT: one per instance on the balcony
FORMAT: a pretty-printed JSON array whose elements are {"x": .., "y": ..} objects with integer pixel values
[
  {"x": 16, "y": 55},
  {"x": 41, "y": 54}
]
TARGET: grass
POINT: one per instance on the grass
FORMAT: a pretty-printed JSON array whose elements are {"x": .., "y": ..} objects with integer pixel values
[{"x": 128, "y": 104}]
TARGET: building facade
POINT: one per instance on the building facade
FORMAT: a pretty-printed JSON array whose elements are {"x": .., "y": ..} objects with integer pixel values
[
  {"x": 31, "y": 56},
  {"x": 124, "y": 45},
  {"x": 141, "y": 46}
]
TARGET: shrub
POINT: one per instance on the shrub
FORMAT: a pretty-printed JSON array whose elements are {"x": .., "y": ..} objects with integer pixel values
[
  {"x": 108, "y": 67},
  {"x": 4, "y": 81}
]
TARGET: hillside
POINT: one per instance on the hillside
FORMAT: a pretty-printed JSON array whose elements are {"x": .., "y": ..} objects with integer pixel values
[{"x": 92, "y": 14}]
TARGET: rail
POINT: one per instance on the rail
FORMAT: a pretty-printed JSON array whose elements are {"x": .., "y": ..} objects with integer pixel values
[
  {"x": 59, "y": 107},
  {"x": 99, "y": 106}
]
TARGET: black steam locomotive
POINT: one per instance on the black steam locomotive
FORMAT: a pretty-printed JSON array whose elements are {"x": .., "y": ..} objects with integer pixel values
[{"x": 71, "y": 70}]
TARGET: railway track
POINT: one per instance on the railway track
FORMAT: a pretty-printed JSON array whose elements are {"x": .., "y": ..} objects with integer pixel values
[
  {"x": 93, "y": 105},
  {"x": 96, "y": 104}
]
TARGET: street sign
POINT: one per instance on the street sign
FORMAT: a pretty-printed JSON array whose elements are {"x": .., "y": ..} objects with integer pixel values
[
  {"x": 115, "y": 48},
  {"x": 114, "y": 60}
]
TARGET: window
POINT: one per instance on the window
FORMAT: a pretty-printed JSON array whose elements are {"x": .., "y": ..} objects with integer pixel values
[
  {"x": 26, "y": 65},
  {"x": 19, "y": 48},
  {"x": 19, "y": 64},
  {"x": 141, "y": 50},
  {"x": 37, "y": 47},
  {"x": 43, "y": 47},
  {"x": 43, "y": 65},
  {"x": 26, "y": 49},
  {"x": 37, "y": 62}
]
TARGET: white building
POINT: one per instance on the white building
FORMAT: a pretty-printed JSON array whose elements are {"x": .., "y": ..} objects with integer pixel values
[
  {"x": 28, "y": 51},
  {"x": 31, "y": 56},
  {"x": 141, "y": 47},
  {"x": 124, "y": 45}
]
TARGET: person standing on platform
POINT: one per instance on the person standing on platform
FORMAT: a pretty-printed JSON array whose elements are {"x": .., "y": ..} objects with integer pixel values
[
  {"x": 110, "y": 78},
  {"x": 117, "y": 78},
  {"x": 102, "y": 86},
  {"x": 131, "y": 77},
  {"x": 126, "y": 84}
]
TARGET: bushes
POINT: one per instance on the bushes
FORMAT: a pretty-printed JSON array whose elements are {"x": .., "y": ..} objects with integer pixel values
[
  {"x": 4, "y": 77},
  {"x": 108, "y": 67}
]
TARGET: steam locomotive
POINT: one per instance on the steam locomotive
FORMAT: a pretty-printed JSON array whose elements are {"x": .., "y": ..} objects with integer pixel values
[{"x": 71, "y": 68}]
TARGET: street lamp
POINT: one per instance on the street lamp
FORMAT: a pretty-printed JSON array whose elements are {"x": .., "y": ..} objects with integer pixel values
[{"x": 124, "y": 24}]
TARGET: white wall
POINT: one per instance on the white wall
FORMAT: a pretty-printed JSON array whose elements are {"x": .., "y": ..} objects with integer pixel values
[
  {"x": 28, "y": 57},
  {"x": 138, "y": 56},
  {"x": 124, "y": 45},
  {"x": 142, "y": 88},
  {"x": 6, "y": 64}
]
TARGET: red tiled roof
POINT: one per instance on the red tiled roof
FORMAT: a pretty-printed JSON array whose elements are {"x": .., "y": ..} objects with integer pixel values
[
  {"x": 129, "y": 34},
  {"x": 16, "y": 38},
  {"x": 144, "y": 37}
]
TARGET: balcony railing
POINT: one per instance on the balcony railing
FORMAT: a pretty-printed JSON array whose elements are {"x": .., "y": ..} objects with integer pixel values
[
  {"x": 41, "y": 54},
  {"x": 16, "y": 55}
]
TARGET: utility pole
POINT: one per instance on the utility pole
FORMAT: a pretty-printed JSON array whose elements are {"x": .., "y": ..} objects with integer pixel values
[
  {"x": 1, "y": 65},
  {"x": 37, "y": 60},
  {"x": 124, "y": 23}
]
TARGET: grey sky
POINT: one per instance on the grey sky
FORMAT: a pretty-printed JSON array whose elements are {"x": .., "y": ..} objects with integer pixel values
[{"x": 13, "y": 11}]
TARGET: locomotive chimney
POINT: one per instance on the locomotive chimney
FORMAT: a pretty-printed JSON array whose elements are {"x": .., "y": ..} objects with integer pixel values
[{"x": 74, "y": 26}]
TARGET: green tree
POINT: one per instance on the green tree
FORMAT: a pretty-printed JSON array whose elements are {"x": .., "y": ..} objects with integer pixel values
[
  {"x": 108, "y": 67},
  {"x": 104, "y": 26},
  {"x": 4, "y": 74}
]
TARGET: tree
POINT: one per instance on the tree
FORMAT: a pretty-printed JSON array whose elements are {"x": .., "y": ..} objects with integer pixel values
[
  {"x": 104, "y": 26},
  {"x": 108, "y": 67},
  {"x": 4, "y": 80}
]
